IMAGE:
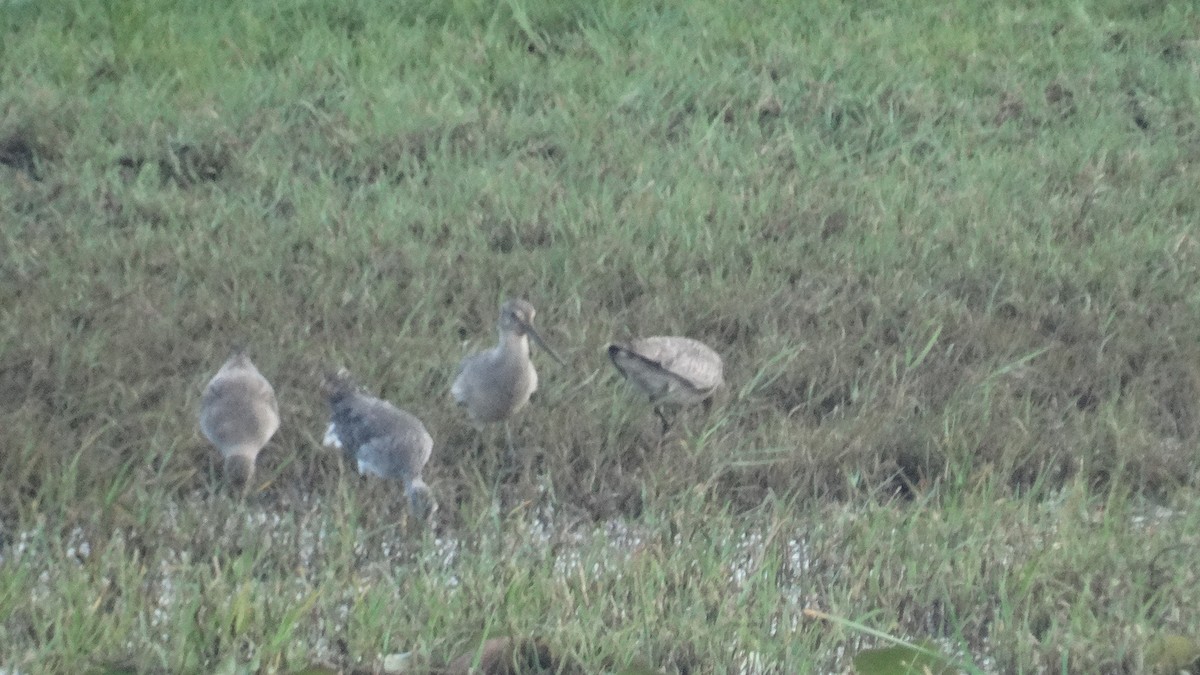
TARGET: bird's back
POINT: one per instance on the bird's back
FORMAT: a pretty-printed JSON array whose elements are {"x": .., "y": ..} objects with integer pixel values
[
  {"x": 380, "y": 438},
  {"x": 669, "y": 368},
  {"x": 238, "y": 409}
]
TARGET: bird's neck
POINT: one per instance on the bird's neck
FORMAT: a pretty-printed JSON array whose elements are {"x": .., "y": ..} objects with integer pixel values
[{"x": 512, "y": 343}]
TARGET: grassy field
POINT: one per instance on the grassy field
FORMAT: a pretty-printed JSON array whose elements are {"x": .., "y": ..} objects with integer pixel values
[{"x": 948, "y": 251}]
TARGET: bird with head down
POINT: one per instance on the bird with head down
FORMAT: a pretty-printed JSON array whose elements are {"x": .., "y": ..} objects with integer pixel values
[
  {"x": 379, "y": 439},
  {"x": 238, "y": 415}
]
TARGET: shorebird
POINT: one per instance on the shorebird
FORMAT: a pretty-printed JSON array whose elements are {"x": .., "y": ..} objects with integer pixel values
[
  {"x": 497, "y": 382},
  {"x": 239, "y": 414},
  {"x": 670, "y": 370},
  {"x": 379, "y": 439}
]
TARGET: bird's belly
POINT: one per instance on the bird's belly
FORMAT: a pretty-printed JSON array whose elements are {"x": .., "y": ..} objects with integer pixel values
[{"x": 503, "y": 395}]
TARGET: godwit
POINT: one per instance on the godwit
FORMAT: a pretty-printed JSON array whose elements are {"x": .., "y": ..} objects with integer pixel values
[
  {"x": 380, "y": 439},
  {"x": 670, "y": 370},
  {"x": 497, "y": 382},
  {"x": 239, "y": 414}
]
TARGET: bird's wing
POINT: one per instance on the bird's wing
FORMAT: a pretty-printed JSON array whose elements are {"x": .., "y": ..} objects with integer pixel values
[
  {"x": 691, "y": 361},
  {"x": 397, "y": 455},
  {"x": 460, "y": 389}
]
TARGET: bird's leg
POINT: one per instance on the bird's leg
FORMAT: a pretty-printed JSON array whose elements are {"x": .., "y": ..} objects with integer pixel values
[
  {"x": 479, "y": 442},
  {"x": 511, "y": 458},
  {"x": 509, "y": 469},
  {"x": 666, "y": 424},
  {"x": 707, "y": 404}
]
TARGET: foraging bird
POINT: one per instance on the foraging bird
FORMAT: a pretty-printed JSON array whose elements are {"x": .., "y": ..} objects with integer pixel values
[
  {"x": 495, "y": 383},
  {"x": 670, "y": 370},
  {"x": 239, "y": 414},
  {"x": 380, "y": 439}
]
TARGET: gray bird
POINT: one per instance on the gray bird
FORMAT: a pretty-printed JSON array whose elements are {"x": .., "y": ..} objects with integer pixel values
[
  {"x": 497, "y": 382},
  {"x": 239, "y": 414},
  {"x": 670, "y": 370},
  {"x": 380, "y": 439}
]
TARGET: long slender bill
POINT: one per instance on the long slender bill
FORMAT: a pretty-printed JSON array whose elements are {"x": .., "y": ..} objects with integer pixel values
[{"x": 542, "y": 343}]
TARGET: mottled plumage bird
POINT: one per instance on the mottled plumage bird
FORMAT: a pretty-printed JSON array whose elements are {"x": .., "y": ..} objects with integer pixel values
[
  {"x": 379, "y": 439},
  {"x": 670, "y": 370},
  {"x": 239, "y": 414},
  {"x": 497, "y": 382}
]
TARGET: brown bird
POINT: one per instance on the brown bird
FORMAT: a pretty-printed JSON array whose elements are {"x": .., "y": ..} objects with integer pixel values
[
  {"x": 380, "y": 439},
  {"x": 239, "y": 414},
  {"x": 497, "y": 382},
  {"x": 670, "y": 370}
]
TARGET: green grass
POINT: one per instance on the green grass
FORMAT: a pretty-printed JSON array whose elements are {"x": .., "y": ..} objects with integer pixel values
[{"x": 948, "y": 251}]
